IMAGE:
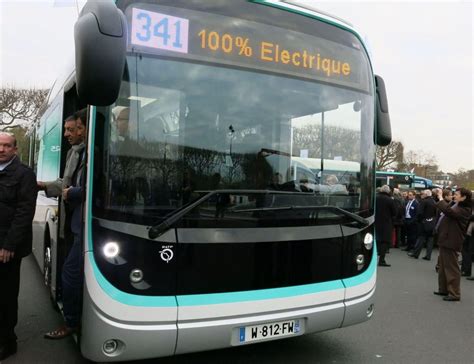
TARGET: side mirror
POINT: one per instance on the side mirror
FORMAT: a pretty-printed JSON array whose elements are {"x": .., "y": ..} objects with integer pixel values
[
  {"x": 384, "y": 129},
  {"x": 100, "y": 36}
]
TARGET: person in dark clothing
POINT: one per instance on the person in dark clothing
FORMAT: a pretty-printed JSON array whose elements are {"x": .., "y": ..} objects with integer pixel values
[
  {"x": 55, "y": 188},
  {"x": 385, "y": 213},
  {"x": 468, "y": 249},
  {"x": 452, "y": 228},
  {"x": 71, "y": 277},
  {"x": 403, "y": 229},
  {"x": 17, "y": 207},
  {"x": 426, "y": 217},
  {"x": 398, "y": 221},
  {"x": 411, "y": 226}
]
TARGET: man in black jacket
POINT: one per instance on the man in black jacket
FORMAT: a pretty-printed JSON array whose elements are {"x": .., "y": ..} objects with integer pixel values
[
  {"x": 71, "y": 277},
  {"x": 17, "y": 207},
  {"x": 426, "y": 218},
  {"x": 385, "y": 213},
  {"x": 411, "y": 223}
]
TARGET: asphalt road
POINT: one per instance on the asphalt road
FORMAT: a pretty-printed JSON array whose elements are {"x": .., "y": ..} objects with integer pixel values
[{"x": 410, "y": 325}]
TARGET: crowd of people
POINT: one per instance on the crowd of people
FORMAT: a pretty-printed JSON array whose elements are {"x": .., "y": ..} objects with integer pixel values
[{"x": 413, "y": 222}]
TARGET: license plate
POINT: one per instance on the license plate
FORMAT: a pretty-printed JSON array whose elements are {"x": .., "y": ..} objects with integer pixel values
[{"x": 270, "y": 330}]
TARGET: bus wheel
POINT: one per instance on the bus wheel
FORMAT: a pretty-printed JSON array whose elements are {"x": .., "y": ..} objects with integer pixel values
[{"x": 47, "y": 267}]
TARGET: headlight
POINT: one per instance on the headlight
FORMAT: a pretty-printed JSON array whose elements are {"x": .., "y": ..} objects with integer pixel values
[
  {"x": 369, "y": 241},
  {"x": 111, "y": 249}
]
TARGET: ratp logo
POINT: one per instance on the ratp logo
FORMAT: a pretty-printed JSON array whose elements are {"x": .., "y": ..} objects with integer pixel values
[{"x": 166, "y": 254}]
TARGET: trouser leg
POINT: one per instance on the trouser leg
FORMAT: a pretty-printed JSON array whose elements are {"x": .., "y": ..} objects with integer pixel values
[
  {"x": 452, "y": 272},
  {"x": 10, "y": 287},
  {"x": 398, "y": 238},
  {"x": 411, "y": 235},
  {"x": 420, "y": 242},
  {"x": 403, "y": 233},
  {"x": 382, "y": 250},
  {"x": 429, "y": 247},
  {"x": 466, "y": 256},
  {"x": 72, "y": 284},
  {"x": 442, "y": 284}
]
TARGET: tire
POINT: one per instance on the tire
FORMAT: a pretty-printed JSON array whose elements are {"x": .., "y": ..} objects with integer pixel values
[
  {"x": 47, "y": 271},
  {"x": 47, "y": 267}
]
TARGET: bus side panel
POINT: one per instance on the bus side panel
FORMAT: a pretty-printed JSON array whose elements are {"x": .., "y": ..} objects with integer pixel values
[
  {"x": 39, "y": 228},
  {"x": 45, "y": 228}
]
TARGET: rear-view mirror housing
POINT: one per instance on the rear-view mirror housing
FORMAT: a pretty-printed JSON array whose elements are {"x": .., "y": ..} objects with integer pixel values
[
  {"x": 100, "y": 37},
  {"x": 383, "y": 127}
]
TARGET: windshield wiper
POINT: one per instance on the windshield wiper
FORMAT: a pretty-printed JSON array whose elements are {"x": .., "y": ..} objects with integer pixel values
[
  {"x": 157, "y": 230},
  {"x": 353, "y": 216}
]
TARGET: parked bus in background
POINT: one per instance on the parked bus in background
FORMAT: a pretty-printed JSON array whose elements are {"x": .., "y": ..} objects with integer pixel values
[
  {"x": 344, "y": 170},
  {"x": 400, "y": 180},
  {"x": 193, "y": 238},
  {"x": 421, "y": 183}
]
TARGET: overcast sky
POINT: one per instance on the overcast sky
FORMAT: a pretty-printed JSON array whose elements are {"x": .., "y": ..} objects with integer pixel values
[{"x": 423, "y": 50}]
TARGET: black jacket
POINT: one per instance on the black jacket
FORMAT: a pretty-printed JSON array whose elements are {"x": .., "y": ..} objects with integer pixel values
[
  {"x": 453, "y": 225},
  {"x": 18, "y": 192},
  {"x": 385, "y": 213},
  {"x": 400, "y": 207},
  {"x": 426, "y": 209}
]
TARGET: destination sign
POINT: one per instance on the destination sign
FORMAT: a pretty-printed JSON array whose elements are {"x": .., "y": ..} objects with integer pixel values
[{"x": 220, "y": 39}]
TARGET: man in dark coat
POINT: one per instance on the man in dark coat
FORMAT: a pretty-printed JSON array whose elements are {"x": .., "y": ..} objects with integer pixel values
[
  {"x": 452, "y": 228},
  {"x": 71, "y": 277},
  {"x": 55, "y": 188},
  {"x": 17, "y": 207},
  {"x": 411, "y": 225},
  {"x": 426, "y": 217},
  {"x": 398, "y": 221},
  {"x": 385, "y": 213}
]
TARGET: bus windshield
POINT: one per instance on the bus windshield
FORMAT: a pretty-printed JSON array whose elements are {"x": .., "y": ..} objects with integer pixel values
[
  {"x": 200, "y": 119},
  {"x": 182, "y": 130}
]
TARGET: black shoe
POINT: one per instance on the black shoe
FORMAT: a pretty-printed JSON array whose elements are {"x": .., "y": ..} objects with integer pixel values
[
  {"x": 411, "y": 254},
  {"x": 451, "y": 299},
  {"x": 384, "y": 264},
  {"x": 7, "y": 350},
  {"x": 426, "y": 258},
  {"x": 440, "y": 293},
  {"x": 470, "y": 278}
]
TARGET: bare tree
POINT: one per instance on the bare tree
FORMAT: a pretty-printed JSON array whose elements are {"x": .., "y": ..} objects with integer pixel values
[
  {"x": 464, "y": 178},
  {"x": 19, "y": 107},
  {"x": 337, "y": 142},
  {"x": 389, "y": 155},
  {"x": 423, "y": 163}
]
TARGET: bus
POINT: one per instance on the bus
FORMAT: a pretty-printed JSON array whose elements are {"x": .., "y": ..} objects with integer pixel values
[
  {"x": 400, "y": 180},
  {"x": 343, "y": 170},
  {"x": 403, "y": 180},
  {"x": 195, "y": 237},
  {"x": 421, "y": 183}
]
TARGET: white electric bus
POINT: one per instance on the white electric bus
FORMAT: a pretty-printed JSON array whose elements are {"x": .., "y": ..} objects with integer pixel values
[{"x": 193, "y": 239}]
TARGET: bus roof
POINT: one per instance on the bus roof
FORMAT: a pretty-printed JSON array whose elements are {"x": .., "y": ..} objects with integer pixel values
[
  {"x": 395, "y": 173},
  {"x": 307, "y": 8}
]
